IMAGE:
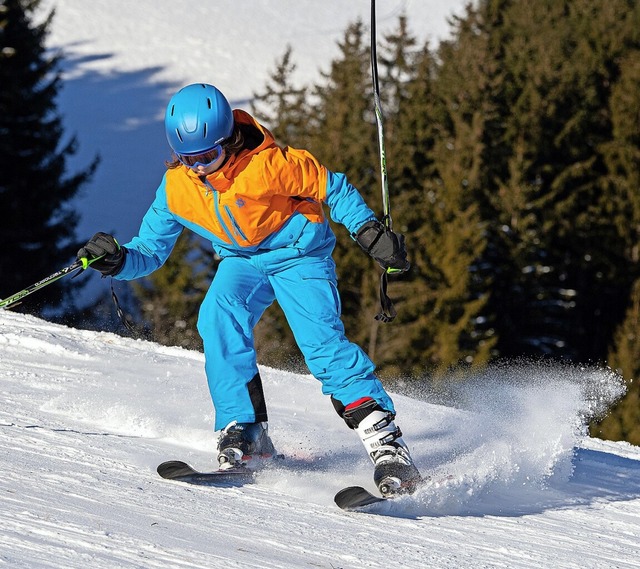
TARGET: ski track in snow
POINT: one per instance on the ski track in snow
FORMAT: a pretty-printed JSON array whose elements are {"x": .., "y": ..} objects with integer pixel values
[{"x": 86, "y": 417}]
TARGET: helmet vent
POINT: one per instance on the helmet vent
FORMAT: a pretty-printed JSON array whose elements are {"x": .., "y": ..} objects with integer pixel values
[
  {"x": 179, "y": 135},
  {"x": 209, "y": 102},
  {"x": 173, "y": 109}
]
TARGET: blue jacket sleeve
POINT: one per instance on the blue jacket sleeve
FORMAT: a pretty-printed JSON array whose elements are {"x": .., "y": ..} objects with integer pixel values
[
  {"x": 156, "y": 238},
  {"x": 346, "y": 204}
]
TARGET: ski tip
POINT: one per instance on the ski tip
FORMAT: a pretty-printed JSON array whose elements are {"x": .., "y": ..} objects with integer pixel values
[
  {"x": 355, "y": 497},
  {"x": 173, "y": 469},
  {"x": 183, "y": 472}
]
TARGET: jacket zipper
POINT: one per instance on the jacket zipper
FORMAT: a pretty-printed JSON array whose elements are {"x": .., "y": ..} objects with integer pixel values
[
  {"x": 235, "y": 223},
  {"x": 216, "y": 206}
]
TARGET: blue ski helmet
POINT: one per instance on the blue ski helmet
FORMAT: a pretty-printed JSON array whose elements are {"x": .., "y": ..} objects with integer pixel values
[{"x": 198, "y": 117}]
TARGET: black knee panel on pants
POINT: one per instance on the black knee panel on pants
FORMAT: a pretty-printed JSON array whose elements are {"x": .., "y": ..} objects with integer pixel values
[{"x": 257, "y": 398}]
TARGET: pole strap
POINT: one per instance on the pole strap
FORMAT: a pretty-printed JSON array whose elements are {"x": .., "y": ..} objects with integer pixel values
[
  {"x": 119, "y": 311},
  {"x": 387, "y": 310}
]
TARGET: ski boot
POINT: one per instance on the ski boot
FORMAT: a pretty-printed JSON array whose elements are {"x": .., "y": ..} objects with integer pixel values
[
  {"x": 394, "y": 470},
  {"x": 239, "y": 443}
]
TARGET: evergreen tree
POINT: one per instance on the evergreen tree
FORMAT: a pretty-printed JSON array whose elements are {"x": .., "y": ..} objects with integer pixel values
[
  {"x": 541, "y": 75},
  {"x": 447, "y": 111},
  {"x": 575, "y": 87},
  {"x": 523, "y": 306},
  {"x": 622, "y": 156},
  {"x": 282, "y": 107},
  {"x": 398, "y": 58},
  {"x": 37, "y": 224},
  {"x": 623, "y": 421}
]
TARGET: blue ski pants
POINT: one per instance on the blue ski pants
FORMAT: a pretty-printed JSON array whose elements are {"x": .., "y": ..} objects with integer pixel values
[{"x": 306, "y": 290}]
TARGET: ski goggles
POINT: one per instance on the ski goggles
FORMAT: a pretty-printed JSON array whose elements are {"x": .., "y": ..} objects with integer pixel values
[{"x": 203, "y": 159}]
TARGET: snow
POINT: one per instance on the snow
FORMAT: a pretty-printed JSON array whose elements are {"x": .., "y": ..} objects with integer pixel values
[{"x": 86, "y": 417}]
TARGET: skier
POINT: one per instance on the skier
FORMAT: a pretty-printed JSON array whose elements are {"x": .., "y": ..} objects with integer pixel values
[{"x": 260, "y": 205}]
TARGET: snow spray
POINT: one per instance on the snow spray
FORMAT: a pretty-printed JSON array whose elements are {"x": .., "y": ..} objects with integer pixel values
[{"x": 514, "y": 441}]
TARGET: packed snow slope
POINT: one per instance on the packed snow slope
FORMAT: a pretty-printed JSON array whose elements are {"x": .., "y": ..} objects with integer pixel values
[{"x": 85, "y": 418}]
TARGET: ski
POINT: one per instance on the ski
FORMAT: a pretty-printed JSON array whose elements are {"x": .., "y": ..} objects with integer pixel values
[
  {"x": 356, "y": 497},
  {"x": 182, "y": 472}
]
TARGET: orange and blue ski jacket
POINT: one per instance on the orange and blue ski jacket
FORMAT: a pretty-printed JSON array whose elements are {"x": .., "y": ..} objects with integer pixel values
[{"x": 265, "y": 200}]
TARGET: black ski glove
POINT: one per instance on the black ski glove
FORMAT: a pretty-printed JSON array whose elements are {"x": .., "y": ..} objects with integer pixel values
[
  {"x": 384, "y": 245},
  {"x": 107, "y": 252}
]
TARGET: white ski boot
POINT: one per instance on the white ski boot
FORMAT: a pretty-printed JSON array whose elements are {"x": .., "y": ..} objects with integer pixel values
[{"x": 394, "y": 472}]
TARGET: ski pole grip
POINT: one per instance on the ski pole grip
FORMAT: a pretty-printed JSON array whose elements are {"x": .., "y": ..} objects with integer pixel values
[{"x": 87, "y": 262}]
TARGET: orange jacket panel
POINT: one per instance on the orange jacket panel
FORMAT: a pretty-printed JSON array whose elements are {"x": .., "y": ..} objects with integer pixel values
[{"x": 254, "y": 194}]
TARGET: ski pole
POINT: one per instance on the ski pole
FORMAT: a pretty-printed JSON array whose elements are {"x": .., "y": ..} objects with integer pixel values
[
  {"x": 386, "y": 205},
  {"x": 388, "y": 311},
  {"x": 79, "y": 265}
]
